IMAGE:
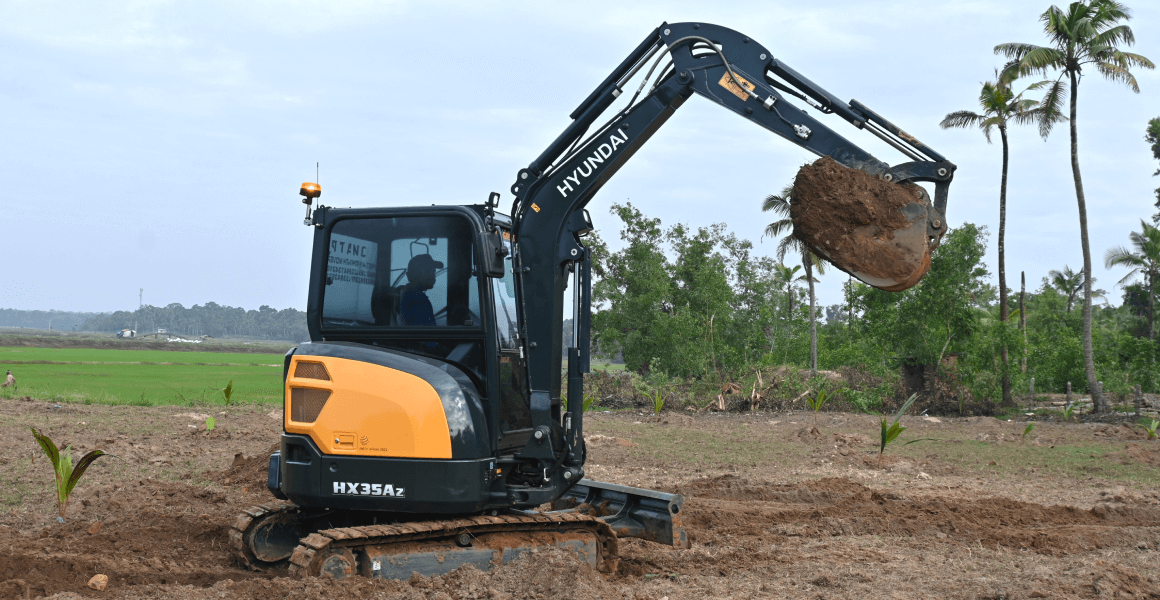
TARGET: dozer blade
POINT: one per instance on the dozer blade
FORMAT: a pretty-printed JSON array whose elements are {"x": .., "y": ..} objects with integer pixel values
[
  {"x": 881, "y": 232},
  {"x": 631, "y": 512}
]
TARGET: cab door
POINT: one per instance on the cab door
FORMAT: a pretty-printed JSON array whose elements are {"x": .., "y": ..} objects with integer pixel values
[{"x": 514, "y": 413}]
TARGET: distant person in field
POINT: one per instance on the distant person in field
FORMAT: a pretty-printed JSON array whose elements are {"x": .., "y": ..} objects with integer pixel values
[
  {"x": 415, "y": 307},
  {"x": 9, "y": 381}
]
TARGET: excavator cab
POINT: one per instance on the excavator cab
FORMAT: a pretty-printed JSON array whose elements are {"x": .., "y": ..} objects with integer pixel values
[{"x": 405, "y": 331}]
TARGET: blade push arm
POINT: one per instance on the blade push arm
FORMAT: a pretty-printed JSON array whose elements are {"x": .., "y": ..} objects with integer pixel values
[{"x": 719, "y": 64}]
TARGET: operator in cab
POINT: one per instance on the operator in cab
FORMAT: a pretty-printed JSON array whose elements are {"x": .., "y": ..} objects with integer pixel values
[{"x": 415, "y": 307}]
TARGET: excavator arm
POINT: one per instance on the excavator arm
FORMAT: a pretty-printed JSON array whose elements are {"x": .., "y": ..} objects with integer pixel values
[{"x": 733, "y": 71}]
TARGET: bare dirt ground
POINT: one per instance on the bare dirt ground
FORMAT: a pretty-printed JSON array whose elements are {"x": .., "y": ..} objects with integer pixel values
[{"x": 776, "y": 505}]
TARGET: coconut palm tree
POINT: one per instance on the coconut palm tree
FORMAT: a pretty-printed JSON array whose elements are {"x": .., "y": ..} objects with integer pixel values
[
  {"x": 1152, "y": 136},
  {"x": 1144, "y": 261},
  {"x": 787, "y": 277},
  {"x": 779, "y": 205},
  {"x": 1067, "y": 282},
  {"x": 1001, "y": 107},
  {"x": 1089, "y": 34}
]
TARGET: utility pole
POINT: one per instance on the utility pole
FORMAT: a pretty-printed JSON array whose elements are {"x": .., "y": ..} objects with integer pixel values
[{"x": 141, "y": 299}]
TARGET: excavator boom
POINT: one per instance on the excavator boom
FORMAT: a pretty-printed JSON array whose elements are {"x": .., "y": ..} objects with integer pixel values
[{"x": 736, "y": 72}]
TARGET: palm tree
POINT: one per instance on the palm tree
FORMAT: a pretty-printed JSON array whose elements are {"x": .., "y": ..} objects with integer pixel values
[
  {"x": 779, "y": 205},
  {"x": 787, "y": 277},
  {"x": 1067, "y": 282},
  {"x": 1000, "y": 106},
  {"x": 1145, "y": 260},
  {"x": 1087, "y": 34},
  {"x": 1152, "y": 136}
]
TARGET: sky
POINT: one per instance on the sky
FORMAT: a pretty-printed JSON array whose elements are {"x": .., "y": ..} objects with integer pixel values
[{"x": 160, "y": 145}]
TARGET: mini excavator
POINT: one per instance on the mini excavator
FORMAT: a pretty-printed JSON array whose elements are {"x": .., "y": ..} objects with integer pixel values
[{"x": 427, "y": 422}]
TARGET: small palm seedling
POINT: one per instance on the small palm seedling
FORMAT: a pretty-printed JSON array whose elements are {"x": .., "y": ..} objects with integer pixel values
[
  {"x": 891, "y": 432},
  {"x": 1027, "y": 430},
  {"x": 1068, "y": 411},
  {"x": 67, "y": 474},
  {"x": 816, "y": 403},
  {"x": 588, "y": 402},
  {"x": 228, "y": 391},
  {"x": 658, "y": 399},
  {"x": 1151, "y": 429}
]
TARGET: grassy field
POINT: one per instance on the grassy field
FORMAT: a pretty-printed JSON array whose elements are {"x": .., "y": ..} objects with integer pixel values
[{"x": 141, "y": 377}]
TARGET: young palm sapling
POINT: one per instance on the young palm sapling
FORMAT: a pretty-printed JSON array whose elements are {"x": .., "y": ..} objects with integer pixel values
[{"x": 67, "y": 475}]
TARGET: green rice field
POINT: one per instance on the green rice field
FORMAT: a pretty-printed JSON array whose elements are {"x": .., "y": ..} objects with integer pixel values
[{"x": 141, "y": 377}]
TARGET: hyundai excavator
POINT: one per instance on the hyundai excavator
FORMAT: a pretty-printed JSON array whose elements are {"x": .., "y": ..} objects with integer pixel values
[{"x": 427, "y": 422}]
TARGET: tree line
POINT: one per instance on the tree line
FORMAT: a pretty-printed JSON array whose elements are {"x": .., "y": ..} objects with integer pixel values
[
  {"x": 696, "y": 303},
  {"x": 210, "y": 319},
  {"x": 44, "y": 319}
]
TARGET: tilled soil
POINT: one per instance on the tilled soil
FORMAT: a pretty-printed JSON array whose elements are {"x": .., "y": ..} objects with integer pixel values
[{"x": 811, "y": 517}]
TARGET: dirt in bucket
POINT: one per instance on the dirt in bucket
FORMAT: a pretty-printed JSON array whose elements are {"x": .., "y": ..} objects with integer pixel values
[{"x": 867, "y": 226}]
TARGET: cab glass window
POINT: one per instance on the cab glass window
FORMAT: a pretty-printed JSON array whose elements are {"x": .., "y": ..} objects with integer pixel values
[
  {"x": 401, "y": 272},
  {"x": 504, "y": 290}
]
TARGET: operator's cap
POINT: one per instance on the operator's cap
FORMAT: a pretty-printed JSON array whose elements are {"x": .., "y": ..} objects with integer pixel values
[{"x": 423, "y": 261}]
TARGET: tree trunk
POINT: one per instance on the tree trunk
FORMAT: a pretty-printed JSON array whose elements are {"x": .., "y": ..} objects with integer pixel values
[
  {"x": 1003, "y": 316},
  {"x": 850, "y": 301},
  {"x": 1089, "y": 364},
  {"x": 1023, "y": 315},
  {"x": 1151, "y": 308},
  {"x": 813, "y": 322}
]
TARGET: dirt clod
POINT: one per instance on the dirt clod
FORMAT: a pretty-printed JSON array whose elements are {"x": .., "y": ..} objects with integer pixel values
[
  {"x": 99, "y": 582},
  {"x": 857, "y": 221}
]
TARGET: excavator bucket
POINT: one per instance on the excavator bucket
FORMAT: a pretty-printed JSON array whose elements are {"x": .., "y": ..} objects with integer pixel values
[{"x": 881, "y": 232}]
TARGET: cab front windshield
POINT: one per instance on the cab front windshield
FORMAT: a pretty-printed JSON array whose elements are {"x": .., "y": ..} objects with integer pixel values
[{"x": 401, "y": 272}]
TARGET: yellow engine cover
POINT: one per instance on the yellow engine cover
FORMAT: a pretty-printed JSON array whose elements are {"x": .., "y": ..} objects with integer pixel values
[{"x": 372, "y": 411}]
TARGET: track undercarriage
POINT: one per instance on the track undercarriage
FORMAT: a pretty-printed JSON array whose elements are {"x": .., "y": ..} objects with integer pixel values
[{"x": 591, "y": 518}]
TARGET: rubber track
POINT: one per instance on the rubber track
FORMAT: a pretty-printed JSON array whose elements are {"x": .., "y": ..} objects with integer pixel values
[
  {"x": 303, "y": 563},
  {"x": 237, "y": 538}
]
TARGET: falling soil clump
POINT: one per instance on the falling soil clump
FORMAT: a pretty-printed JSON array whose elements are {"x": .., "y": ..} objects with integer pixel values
[
  {"x": 247, "y": 471},
  {"x": 856, "y": 220}
]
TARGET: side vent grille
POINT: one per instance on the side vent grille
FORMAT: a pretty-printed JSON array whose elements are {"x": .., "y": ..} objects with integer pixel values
[
  {"x": 311, "y": 370},
  {"x": 305, "y": 403}
]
